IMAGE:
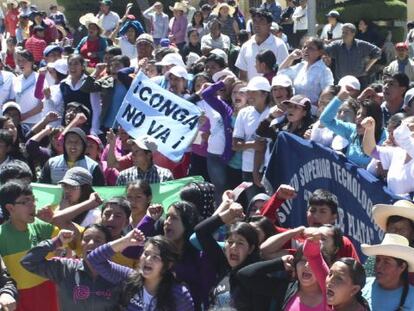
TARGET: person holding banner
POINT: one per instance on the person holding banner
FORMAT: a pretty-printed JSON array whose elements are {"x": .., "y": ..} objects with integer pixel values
[
  {"x": 353, "y": 132},
  {"x": 144, "y": 169}
]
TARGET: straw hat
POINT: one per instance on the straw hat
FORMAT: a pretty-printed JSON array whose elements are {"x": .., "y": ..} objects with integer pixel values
[
  {"x": 381, "y": 212},
  {"x": 88, "y": 19},
  {"x": 393, "y": 245},
  {"x": 179, "y": 6},
  {"x": 224, "y": 5}
]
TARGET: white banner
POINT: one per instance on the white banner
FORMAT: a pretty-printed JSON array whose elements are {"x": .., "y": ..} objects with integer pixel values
[{"x": 148, "y": 109}]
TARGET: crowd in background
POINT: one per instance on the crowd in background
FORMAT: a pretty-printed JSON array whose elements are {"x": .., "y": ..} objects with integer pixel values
[{"x": 253, "y": 76}]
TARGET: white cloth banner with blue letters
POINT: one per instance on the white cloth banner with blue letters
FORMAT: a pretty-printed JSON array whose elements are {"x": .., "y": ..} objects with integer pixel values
[{"x": 148, "y": 109}]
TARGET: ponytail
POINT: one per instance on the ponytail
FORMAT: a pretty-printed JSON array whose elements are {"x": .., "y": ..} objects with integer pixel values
[{"x": 406, "y": 288}]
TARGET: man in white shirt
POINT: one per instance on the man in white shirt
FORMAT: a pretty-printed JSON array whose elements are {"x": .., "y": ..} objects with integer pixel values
[
  {"x": 107, "y": 18},
  {"x": 215, "y": 39},
  {"x": 261, "y": 40}
]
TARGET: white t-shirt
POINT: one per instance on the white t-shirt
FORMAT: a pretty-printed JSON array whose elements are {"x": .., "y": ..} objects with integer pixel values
[
  {"x": 23, "y": 89},
  {"x": 246, "y": 60},
  {"x": 127, "y": 48},
  {"x": 300, "y": 19},
  {"x": 216, "y": 139},
  {"x": 54, "y": 103},
  {"x": 92, "y": 217},
  {"x": 245, "y": 128},
  {"x": 6, "y": 86},
  {"x": 400, "y": 174},
  {"x": 336, "y": 32},
  {"x": 109, "y": 21}
]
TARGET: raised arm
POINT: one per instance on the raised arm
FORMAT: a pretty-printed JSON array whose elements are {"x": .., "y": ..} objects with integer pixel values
[
  {"x": 276, "y": 242},
  {"x": 100, "y": 257},
  {"x": 368, "y": 142}
]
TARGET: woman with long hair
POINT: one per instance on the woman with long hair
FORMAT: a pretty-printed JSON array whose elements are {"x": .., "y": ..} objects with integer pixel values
[
  {"x": 353, "y": 132},
  {"x": 153, "y": 286}
]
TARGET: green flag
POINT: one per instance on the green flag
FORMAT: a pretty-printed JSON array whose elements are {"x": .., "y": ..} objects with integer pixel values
[{"x": 164, "y": 193}]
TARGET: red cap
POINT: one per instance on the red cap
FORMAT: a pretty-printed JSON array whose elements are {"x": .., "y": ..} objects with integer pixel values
[{"x": 401, "y": 45}]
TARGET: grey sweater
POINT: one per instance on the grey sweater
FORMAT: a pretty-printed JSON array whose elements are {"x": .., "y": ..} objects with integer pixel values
[{"x": 77, "y": 288}]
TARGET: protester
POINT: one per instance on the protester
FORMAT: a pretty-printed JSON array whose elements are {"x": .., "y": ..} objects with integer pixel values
[
  {"x": 390, "y": 288},
  {"x": 159, "y": 22}
]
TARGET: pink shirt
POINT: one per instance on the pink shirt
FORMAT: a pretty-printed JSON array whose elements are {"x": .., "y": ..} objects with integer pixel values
[{"x": 295, "y": 305}]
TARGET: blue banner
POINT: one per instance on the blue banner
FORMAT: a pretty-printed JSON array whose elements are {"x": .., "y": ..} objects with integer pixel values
[
  {"x": 148, "y": 109},
  {"x": 308, "y": 166}
]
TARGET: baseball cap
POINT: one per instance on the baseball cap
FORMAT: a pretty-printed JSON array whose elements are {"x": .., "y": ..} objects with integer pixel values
[
  {"x": 333, "y": 13},
  {"x": 106, "y": 2},
  {"x": 282, "y": 80},
  {"x": 51, "y": 48},
  {"x": 257, "y": 84},
  {"x": 401, "y": 45},
  {"x": 178, "y": 71},
  {"x": 299, "y": 100},
  {"x": 60, "y": 65},
  {"x": 409, "y": 96},
  {"x": 350, "y": 81},
  {"x": 220, "y": 53},
  {"x": 11, "y": 105},
  {"x": 165, "y": 42},
  {"x": 145, "y": 143},
  {"x": 77, "y": 176},
  {"x": 145, "y": 38},
  {"x": 171, "y": 59},
  {"x": 222, "y": 73}
]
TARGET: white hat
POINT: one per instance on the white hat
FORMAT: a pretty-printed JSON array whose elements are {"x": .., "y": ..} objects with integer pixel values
[
  {"x": 145, "y": 143},
  {"x": 9, "y": 105},
  {"x": 350, "y": 81},
  {"x": 220, "y": 53},
  {"x": 274, "y": 27},
  {"x": 60, "y": 65},
  {"x": 381, "y": 212},
  {"x": 393, "y": 245},
  {"x": 333, "y": 13},
  {"x": 88, "y": 19},
  {"x": 408, "y": 97},
  {"x": 178, "y": 71},
  {"x": 282, "y": 80},
  {"x": 222, "y": 73},
  {"x": 192, "y": 58},
  {"x": 171, "y": 59},
  {"x": 257, "y": 84}
]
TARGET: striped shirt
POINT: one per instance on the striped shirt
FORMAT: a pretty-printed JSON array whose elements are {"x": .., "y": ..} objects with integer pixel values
[{"x": 154, "y": 175}]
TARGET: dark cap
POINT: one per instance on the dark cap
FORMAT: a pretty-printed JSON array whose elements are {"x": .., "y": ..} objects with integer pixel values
[{"x": 38, "y": 28}]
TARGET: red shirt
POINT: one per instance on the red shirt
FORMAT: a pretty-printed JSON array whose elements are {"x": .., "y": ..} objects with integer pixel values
[
  {"x": 269, "y": 210},
  {"x": 10, "y": 60},
  {"x": 90, "y": 47},
  {"x": 10, "y": 21},
  {"x": 36, "y": 46}
]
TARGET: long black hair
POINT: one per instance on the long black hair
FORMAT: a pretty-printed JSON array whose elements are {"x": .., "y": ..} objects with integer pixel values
[
  {"x": 135, "y": 283},
  {"x": 358, "y": 277},
  {"x": 406, "y": 283},
  {"x": 374, "y": 110}
]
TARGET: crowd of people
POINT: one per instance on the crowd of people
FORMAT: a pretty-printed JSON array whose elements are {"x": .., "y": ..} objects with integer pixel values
[{"x": 252, "y": 76}]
